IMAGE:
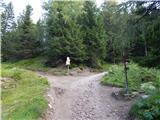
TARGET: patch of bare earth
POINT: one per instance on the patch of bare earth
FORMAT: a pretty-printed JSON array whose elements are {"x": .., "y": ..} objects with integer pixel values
[{"x": 82, "y": 97}]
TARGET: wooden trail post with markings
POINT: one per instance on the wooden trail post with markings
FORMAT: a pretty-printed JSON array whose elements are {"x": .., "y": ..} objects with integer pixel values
[{"x": 126, "y": 68}]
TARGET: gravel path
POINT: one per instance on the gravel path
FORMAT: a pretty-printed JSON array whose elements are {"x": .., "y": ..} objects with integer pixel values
[{"x": 83, "y": 98}]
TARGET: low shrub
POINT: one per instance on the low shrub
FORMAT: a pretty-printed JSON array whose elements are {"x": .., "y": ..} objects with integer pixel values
[
  {"x": 136, "y": 76},
  {"x": 146, "y": 109}
]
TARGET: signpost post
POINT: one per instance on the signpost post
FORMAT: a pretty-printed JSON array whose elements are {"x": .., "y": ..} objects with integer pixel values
[{"x": 126, "y": 61}]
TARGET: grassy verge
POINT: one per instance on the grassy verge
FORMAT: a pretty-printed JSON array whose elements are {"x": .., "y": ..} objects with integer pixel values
[
  {"x": 22, "y": 94},
  {"x": 140, "y": 79},
  {"x": 38, "y": 64},
  {"x": 35, "y": 64}
]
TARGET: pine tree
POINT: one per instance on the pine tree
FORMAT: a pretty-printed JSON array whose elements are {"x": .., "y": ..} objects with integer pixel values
[
  {"x": 64, "y": 36},
  {"x": 8, "y": 22},
  {"x": 118, "y": 29},
  {"x": 146, "y": 28},
  {"x": 8, "y": 32},
  {"x": 40, "y": 36},
  {"x": 27, "y": 47},
  {"x": 109, "y": 9},
  {"x": 93, "y": 34}
]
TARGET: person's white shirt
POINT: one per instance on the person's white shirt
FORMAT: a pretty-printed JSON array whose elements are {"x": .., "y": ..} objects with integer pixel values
[{"x": 68, "y": 61}]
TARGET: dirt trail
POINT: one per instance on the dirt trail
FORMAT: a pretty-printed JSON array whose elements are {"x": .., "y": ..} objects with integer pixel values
[{"x": 83, "y": 98}]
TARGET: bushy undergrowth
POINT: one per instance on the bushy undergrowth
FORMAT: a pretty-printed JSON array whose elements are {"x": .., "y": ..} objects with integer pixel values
[
  {"x": 140, "y": 79},
  {"x": 22, "y": 94},
  {"x": 147, "y": 109},
  {"x": 137, "y": 76}
]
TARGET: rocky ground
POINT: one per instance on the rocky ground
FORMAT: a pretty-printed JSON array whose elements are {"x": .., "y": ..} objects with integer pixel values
[{"x": 82, "y": 97}]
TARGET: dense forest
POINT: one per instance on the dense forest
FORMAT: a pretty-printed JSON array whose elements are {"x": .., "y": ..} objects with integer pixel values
[
  {"x": 90, "y": 35},
  {"x": 114, "y": 38}
]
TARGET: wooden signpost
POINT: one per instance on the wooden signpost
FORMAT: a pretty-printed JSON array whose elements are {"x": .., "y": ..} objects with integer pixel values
[{"x": 126, "y": 61}]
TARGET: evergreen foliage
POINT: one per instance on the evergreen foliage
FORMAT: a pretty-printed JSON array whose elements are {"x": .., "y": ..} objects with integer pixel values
[
  {"x": 27, "y": 37},
  {"x": 64, "y": 36},
  {"x": 93, "y": 34},
  {"x": 8, "y": 31},
  {"x": 87, "y": 34}
]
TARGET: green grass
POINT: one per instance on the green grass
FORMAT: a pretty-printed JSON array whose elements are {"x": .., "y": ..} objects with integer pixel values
[
  {"x": 106, "y": 66},
  {"x": 22, "y": 94},
  {"x": 140, "y": 79},
  {"x": 136, "y": 75},
  {"x": 35, "y": 64}
]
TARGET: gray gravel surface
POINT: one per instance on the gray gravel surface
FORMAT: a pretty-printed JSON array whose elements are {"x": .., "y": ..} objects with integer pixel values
[{"x": 83, "y": 98}]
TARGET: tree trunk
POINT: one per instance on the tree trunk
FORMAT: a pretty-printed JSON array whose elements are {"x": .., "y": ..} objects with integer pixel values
[
  {"x": 145, "y": 48},
  {"x": 114, "y": 57}
]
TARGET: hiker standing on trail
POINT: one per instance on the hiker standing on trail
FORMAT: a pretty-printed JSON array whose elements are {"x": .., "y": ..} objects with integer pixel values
[{"x": 68, "y": 63}]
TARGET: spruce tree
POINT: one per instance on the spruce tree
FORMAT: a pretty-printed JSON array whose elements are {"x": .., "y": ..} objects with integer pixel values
[
  {"x": 94, "y": 35},
  {"x": 64, "y": 35},
  {"x": 40, "y": 36},
  {"x": 8, "y": 32},
  {"x": 27, "y": 35}
]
